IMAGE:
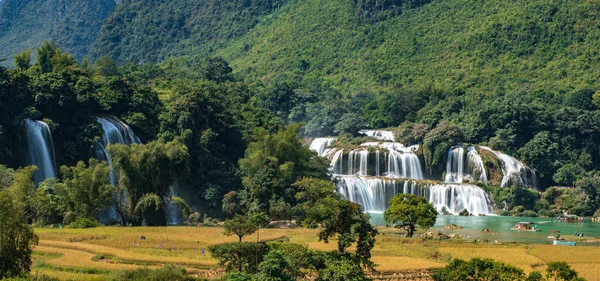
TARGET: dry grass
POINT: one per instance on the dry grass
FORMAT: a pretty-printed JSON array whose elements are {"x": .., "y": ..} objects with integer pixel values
[
  {"x": 79, "y": 259},
  {"x": 394, "y": 264},
  {"x": 76, "y": 248},
  {"x": 515, "y": 255},
  {"x": 575, "y": 254},
  {"x": 70, "y": 276}
]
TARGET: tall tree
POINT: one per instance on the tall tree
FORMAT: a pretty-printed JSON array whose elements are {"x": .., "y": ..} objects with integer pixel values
[
  {"x": 337, "y": 217},
  {"x": 239, "y": 226},
  {"x": 408, "y": 211},
  {"x": 145, "y": 170},
  {"x": 23, "y": 60},
  {"x": 85, "y": 190},
  {"x": 16, "y": 237}
]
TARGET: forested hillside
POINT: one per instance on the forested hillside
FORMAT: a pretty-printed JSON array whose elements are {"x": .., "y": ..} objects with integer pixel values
[
  {"x": 151, "y": 31},
  {"x": 520, "y": 77},
  {"x": 483, "y": 45},
  {"x": 25, "y": 24}
]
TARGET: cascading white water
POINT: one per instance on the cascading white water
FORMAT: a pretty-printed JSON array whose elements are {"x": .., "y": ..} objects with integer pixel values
[
  {"x": 173, "y": 212},
  {"x": 396, "y": 170},
  {"x": 321, "y": 144},
  {"x": 404, "y": 165},
  {"x": 398, "y": 161},
  {"x": 379, "y": 134},
  {"x": 461, "y": 165},
  {"x": 336, "y": 158},
  {"x": 514, "y": 173},
  {"x": 456, "y": 197},
  {"x": 40, "y": 150},
  {"x": 455, "y": 165},
  {"x": 115, "y": 132},
  {"x": 475, "y": 165},
  {"x": 374, "y": 193}
]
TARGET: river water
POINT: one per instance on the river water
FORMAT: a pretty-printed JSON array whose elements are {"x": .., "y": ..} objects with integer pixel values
[{"x": 500, "y": 227}]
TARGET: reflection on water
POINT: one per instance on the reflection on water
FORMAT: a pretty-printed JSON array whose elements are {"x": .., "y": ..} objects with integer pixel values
[{"x": 500, "y": 228}]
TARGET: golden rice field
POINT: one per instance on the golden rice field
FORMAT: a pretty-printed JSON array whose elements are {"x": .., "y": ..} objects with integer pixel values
[{"x": 94, "y": 254}]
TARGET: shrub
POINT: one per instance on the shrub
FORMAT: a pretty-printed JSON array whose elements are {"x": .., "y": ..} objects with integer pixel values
[
  {"x": 529, "y": 213},
  {"x": 240, "y": 256},
  {"x": 478, "y": 269},
  {"x": 85, "y": 223}
]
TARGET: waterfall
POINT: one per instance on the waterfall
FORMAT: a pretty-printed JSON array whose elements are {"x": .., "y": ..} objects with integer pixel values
[
  {"x": 475, "y": 165},
  {"x": 461, "y": 165},
  {"x": 374, "y": 193},
  {"x": 115, "y": 132},
  {"x": 455, "y": 165},
  {"x": 377, "y": 171},
  {"x": 514, "y": 173},
  {"x": 320, "y": 144},
  {"x": 40, "y": 150},
  {"x": 456, "y": 197},
  {"x": 173, "y": 212},
  {"x": 379, "y": 134},
  {"x": 404, "y": 165},
  {"x": 391, "y": 160}
]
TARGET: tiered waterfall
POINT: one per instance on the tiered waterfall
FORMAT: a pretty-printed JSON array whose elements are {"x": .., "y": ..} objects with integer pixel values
[{"x": 376, "y": 171}]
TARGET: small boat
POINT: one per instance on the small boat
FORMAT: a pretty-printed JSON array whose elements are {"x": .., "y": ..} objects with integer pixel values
[
  {"x": 555, "y": 235},
  {"x": 564, "y": 243},
  {"x": 526, "y": 226},
  {"x": 569, "y": 218}
]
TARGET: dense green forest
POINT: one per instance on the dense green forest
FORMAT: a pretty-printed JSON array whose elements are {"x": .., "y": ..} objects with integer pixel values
[
  {"x": 25, "y": 24},
  {"x": 516, "y": 76},
  {"x": 224, "y": 94}
]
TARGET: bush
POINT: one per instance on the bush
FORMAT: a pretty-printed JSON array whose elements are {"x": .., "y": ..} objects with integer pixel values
[
  {"x": 529, "y": 213},
  {"x": 516, "y": 210},
  {"x": 82, "y": 223},
  {"x": 240, "y": 256},
  {"x": 554, "y": 213},
  {"x": 341, "y": 269},
  {"x": 478, "y": 269}
]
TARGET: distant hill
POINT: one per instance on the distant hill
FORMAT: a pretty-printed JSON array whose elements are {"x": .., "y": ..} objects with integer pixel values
[
  {"x": 73, "y": 24},
  {"x": 151, "y": 31},
  {"x": 354, "y": 46},
  {"x": 481, "y": 45},
  {"x": 368, "y": 45}
]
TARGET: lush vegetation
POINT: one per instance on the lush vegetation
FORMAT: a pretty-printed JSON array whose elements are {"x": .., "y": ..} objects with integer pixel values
[
  {"x": 407, "y": 211},
  {"x": 193, "y": 128},
  {"x": 159, "y": 30},
  {"x": 321, "y": 205},
  {"x": 488, "y": 269},
  {"x": 73, "y": 24},
  {"x": 16, "y": 236},
  {"x": 516, "y": 76}
]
